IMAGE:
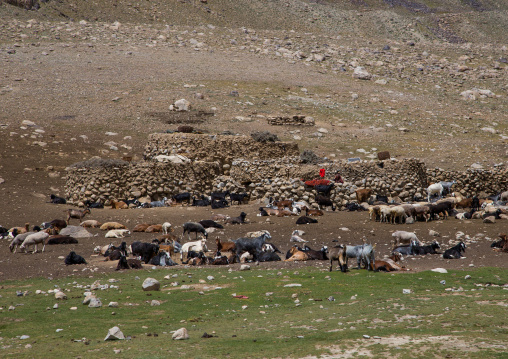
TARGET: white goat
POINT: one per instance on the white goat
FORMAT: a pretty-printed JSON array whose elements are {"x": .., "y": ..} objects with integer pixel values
[
  {"x": 34, "y": 239},
  {"x": 196, "y": 246},
  {"x": 296, "y": 238},
  {"x": 117, "y": 233},
  {"x": 433, "y": 189},
  {"x": 403, "y": 237},
  {"x": 18, "y": 240},
  {"x": 166, "y": 227}
]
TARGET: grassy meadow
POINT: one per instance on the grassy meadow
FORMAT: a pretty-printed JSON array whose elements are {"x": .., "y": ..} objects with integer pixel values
[{"x": 463, "y": 318}]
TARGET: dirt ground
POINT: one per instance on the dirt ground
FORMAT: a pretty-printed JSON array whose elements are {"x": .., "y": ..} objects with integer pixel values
[{"x": 342, "y": 226}]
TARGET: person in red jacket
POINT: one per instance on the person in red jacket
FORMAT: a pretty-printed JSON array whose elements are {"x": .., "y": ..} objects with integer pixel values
[
  {"x": 322, "y": 172},
  {"x": 338, "y": 178}
]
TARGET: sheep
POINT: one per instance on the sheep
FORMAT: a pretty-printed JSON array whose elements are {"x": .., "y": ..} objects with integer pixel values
[
  {"x": 73, "y": 258},
  {"x": 504, "y": 196},
  {"x": 112, "y": 225},
  {"x": 306, "y": 220},
  {"x": 433, "y": 189},
  {"x": 91, "y": 223},
  {"x": 119, "y": 205},
  {"x": 296, "y": 238},
  {"x": 57, "y": 200},
  {"x": 397, "y": 212},
  {"x": 18, "y": 240},
  {"x": 198, "y": 246},
  {"x": 194, "y": 227},
  {"x": 117, "y": 233},
  {"x": 455, "y": 251},
  {"x": 154, "y": 228},
  {"x": 338, "y": 253},
  {"x": 76, "y": 213},
  {"x": 422, "y": 211},
  {"x": 166, "y": 228},
  {"x": 219, "y": 217},
  {"x": 237, "y": 220},
  {"x": 141, "y": 227},
  {"x": 375, "y": 211},
  {"x": 403, "y": 237},
  {"x": 34, "y": 239}
]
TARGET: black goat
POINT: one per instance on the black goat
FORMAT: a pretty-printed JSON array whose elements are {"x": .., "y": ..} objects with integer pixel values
[
  {"x": 262, "y": 212},
  {"x": 351, "y": 207},
  {"x": 306, "y": 220},
  {"x": 266, "y": 257},
  {"x": 318, "y": 255},
  {"x": 475, "y": 204},
  {"x": 324, "y": 201},
  {"x": 73, "y": 258},
  {"x": 443, "y": 208},
  {"x": 207, "y": 223},
  {"x": 57, "y": 200},
  {"x": 324, "y": 189},
  {"x": 145, "y": 250},
  {"x": 214, "y": 196},
  {"x": 237, "y": 197},
  {"x": 203, "y": 202},
  {"x": 237, "y": 220},
  {"x": 125, "y": 263},
  {"x": 429, "y": 249},
  {"x": 59, "y": 239},
  {"x": 182, "y": 197},
  {"x": 88, "y": 203},
  {"x": 194, "y": 227},
  {"x": 219, "y": 204},
  {"x": 162, "y": 259},
  {"x": 493, "y": 214},
  {"x": 251, "y": 245},
  {"x": 455, "y": 252}
]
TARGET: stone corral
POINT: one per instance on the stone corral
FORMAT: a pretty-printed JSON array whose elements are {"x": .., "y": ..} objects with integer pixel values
[
  {"x": 263, "y": 170},
  {"x": 296, "y": 120},
  {"x": 221, "y": 148},
  {"x": 104, "y": 180}
]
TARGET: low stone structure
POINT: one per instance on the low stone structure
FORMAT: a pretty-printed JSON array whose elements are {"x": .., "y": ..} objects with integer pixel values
[{"x": 296, "y": 120}]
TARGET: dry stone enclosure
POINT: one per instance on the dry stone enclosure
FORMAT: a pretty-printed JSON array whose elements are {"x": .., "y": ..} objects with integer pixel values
[{"x": 239, "y": 163}]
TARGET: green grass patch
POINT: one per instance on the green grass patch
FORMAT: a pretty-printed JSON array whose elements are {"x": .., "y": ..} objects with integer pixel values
[{"x": 277, "y": 320}]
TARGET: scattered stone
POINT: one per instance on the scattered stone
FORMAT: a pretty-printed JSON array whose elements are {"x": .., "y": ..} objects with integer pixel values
[
  {"x": 439, "y": 270},
  {"x": 60, "y": 295},
  {"x": 23, "y": 337},
  {"x": 361, "y": 74},
  {"x": 113, "y": 304},
  {"x": 114, "y": 334},
  {"x": 95, "y": 303},
  {"x": 151, "y": 284},
  {"x": 291, "y": 285},
  {"x": 155, "y": 303},
  {"x": 406, "y": 291},
  {"x": 245, "y": 267},
  {"x": 467, "y": 277},
  {"x": 182, "y": 105}
]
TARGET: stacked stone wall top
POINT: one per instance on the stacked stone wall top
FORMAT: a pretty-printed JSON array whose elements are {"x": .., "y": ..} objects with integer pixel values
[{"x": 221, "y": 148}]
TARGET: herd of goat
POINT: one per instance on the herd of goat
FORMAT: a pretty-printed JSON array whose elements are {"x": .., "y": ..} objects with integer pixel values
[{"x": 255, "y": 246}]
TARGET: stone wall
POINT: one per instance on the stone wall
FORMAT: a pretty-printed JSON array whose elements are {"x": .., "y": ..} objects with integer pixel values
[
  {"x": 297, "y": 120},
  {"x": 104, "y": 180},
  {"x": 221, "y": 148}
]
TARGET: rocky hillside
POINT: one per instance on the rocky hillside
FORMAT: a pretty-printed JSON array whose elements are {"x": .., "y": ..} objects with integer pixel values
[{"x": 455, "y": 21}]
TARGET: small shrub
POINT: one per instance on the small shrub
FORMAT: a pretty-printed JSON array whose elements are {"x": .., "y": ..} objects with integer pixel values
[{"x": 264, "y": 136}]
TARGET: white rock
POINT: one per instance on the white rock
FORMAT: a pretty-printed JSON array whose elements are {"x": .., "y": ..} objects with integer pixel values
[
  {"x": 28, "y": 123},
  {"x": 151, "y": 284},
  {"x": 180, "y": 334},
  {"x": 23, "y": 337},
  {"x": 292, "y": 285},
  {"x": 113, "y": 304},
  {"x": 439, "y": 270},
  {"x": 60, "y": 295},
  {"x": 95, "y": 303},
  {"x": 182, "y": 105},
  {"x": 406, "y": 291},
  {"x": 114, "y": 334},
  {"x": 155, "y": 303},
  {"x": 245, "y": 267},
  {"x": 361, "y": 74}
]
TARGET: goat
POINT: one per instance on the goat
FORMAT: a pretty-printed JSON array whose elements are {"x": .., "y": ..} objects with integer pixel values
[
  {"x": 194, "y": 227},
  {"x": 34, "y": 239},
  {"x": 433, "y": 190},
  {"x": 324, "y": 201},
  {"x": 117, "y": 233},
  {"x": 270, "y": 247},
  {"x": 324, "y": 189},
  {"x": 406, "y": 250},
  {"x": 428, "y": 249},
  {"x": 124, "y": 263},
  {"x": 57, "y": 200},
  {"x": 198, "y": 246},
  {"x": 389, "y": 264},
  {"x": 222, "y": 203},
  {"x": 154, "y": 228},
  {"x": 207, "y": 223},
  {"x": 296, "y": 254},
  {"x": 73, "y": 258},
  {"x": 219, "y": 217},
  {"x": 266, "y": 257},
  {"x": 447, "y": 186},
  {"x": 145, "y": 250},
  {"x": 203, "y": 202},
  {"x": 296, "y": 238},
  {"x": 166, "y": 228},
  {"x": 91, "y": 223},
  {"x": 351, "y": 207},
  {"x": 58, "y": 224},
  {"x": 501, "y": 242},
  {"x": 76, "y": 213},
  {"x": 112, "y": 225},
  {"x": 363, "y": 253},
  {"x": 363, "y": 194},
  {"x": 20, "y": 230},
  {"x": 59, "y": 239},
  {"x": 306, "y": 220},
  {"x": 403, "y": 237},
  {"x": 119, "y": 205},
  {"x": 455, "y": 251},
  {"x": 283, "y": 204},
  {"x": 90, "y": 204},
  {"x": 318, "y": 255},
  {"x": 338, "y": 253},
  {"x": 182, "y": 197},
  {"x": 313, "y": 212},
  {"x": 162, "y": 259},
  {"x": 237, "y": 197},
  {"x": 464, "y": 203},
  {"x": 440, "y": 208},
  {"x": 251, "y": 245},
  {"x": 141, "y": 227},
  {"x": 219, "y": 195},
  {"x": 262, "y": 212},
  {"x": 162, "y": 203},
  {"x": 237, "y": 220}
]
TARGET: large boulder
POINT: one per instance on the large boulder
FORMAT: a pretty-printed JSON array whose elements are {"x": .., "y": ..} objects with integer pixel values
[
  {"x": 114, "y": 334},
  {"x": 361, "y": 74},
  {"x": 76, "y": 232}
]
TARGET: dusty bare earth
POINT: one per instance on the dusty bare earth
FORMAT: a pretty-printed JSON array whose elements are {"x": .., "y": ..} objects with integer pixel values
[{"x": 78, "y": 75}]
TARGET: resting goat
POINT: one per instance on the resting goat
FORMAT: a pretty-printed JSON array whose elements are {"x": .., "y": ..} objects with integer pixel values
[{"x": 455, "y": 252}]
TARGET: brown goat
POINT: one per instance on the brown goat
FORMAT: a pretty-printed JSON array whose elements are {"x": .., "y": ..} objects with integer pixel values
[
  {"x": 363, "y": 194},
  {"x": 76, "y": 213},
  {"x": 313, "y": 212},
  {"x": 297, "y": 255},
  {"x": 338, "y": 253},
  {"x": 141, "y": 227},
  {"x": 154, "y": 228},
  {"x": 225, "y": 246},
  {"x": 283, "y": 204},
  {"x": 119, "y": 205}
]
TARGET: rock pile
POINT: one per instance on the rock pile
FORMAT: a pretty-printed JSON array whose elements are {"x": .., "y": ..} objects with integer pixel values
[{"x": 296, "y": 120}]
